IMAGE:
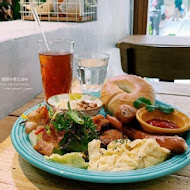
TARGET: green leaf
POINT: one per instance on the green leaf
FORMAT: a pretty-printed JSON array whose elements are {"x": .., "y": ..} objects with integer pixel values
[
  {"x": 142, "y": 101},
  {"x": 59, "y": 122},
  {"x": 79, "y": 131},
  {"x": 150, "y": 108},
  {"x": 77, "y": 138},
  {"x": 166, "y": 110},
  {"x": 74, "y": 116},
  {"x": 74, "y": 159},
  {"x": 50, "y": 112}
]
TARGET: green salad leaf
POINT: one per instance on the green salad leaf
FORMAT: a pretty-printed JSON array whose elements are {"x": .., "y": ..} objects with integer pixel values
[
  {"x": 78, "y": 136},
  {"x": 50, "y": 112},
  {"x": 73, "y": 115},
  {"x": 79, "y": 131},
  {"x": 74, "y": 159},
  {"x": 60, "y": 122}
]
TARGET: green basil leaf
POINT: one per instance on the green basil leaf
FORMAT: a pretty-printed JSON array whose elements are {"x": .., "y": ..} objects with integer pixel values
[
  {"x": 150, "y": 108},
  {"x": 166, "y": 110},
  {"x": 142, "y": 101}
]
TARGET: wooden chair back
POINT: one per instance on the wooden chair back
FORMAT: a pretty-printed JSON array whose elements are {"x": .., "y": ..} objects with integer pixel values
[{"x": 163, "y": 62}]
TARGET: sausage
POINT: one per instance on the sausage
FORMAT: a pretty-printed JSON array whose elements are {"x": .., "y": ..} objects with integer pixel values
[
  {"x": 125, "y": 113},
  {"x": 110, "y": 135},
  {"x": 115, "y": 122},
  {"x": 174, "y": 143}
]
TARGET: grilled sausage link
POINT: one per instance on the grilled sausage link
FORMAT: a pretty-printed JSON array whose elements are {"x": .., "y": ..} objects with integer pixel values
[
  {"x": 115, "y": 122},
  {"x": 174, "y": 143},
  {"x": 125, "y": 113}
]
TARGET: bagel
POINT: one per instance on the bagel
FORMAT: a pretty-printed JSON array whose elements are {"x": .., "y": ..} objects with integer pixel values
[{"x": 125, "y": 89}]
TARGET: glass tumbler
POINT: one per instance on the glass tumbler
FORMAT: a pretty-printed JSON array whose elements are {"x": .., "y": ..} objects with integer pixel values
[
  {"x": 56, "y": 66},
  {"x": 92, "y": 70}
]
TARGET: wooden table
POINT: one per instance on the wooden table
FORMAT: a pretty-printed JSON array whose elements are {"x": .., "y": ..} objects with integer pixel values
[
  {"x": 16, "y": 173},
  {"x": 156, "y": 40}
]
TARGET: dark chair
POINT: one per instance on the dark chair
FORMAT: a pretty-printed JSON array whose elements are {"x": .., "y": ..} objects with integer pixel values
[{"x": 164, "y": 62}]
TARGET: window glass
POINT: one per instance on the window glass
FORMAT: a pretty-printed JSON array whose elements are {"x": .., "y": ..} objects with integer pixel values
[
  {"x": 169, "y": 17},
  {"x": 9, "y": 10}
]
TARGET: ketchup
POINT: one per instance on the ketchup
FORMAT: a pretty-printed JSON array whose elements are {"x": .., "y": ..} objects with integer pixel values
[{"x": 163, "y": 123}]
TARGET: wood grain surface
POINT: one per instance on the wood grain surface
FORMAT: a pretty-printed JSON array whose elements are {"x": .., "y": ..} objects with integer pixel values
[
  {"x": 169, "y": 88},
  {"x": 155, "y": 40},
  {"x": 16, "y": 173}
]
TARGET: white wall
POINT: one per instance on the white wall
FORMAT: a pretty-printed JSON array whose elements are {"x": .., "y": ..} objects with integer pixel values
[{"x": 19, "y": 50}]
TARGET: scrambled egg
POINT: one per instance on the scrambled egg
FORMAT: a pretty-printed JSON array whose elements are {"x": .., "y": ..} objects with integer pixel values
[{"x": 125, "y": 155}]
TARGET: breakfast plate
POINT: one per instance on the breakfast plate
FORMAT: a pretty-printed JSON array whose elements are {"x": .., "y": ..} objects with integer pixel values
[{"x": 23, "y": 146}]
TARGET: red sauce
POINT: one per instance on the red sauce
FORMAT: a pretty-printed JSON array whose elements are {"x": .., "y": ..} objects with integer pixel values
[{"x": 163, "y": 124}]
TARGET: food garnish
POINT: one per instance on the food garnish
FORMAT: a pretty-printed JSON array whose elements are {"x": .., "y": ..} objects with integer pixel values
[
  {"x": 75, "y": 96},
  {"x": 78, "y": 131},
  {"x": 50, "y": 112},
  {"x": 73, "y": 115},
  {"x": 24, "y": 116},
  {"x": 64, "y": 120},
  {"x": 142, "y": 101},
  {"x": 78, "y": 136}
]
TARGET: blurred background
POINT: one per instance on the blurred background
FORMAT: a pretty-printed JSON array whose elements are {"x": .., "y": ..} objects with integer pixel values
[{"x": 169, "y": 17}]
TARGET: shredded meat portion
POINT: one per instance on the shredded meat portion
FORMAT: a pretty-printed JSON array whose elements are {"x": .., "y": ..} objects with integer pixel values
[
  {"x": 100, "y": 121},
  {"x": 87, "y": 105},
  {"x": 110, "y": 135}
]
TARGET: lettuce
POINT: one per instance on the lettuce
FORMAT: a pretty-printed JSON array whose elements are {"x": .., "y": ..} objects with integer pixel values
[
  {"x": 33, "y": 138},
  {"x": 74, "y": 159}
]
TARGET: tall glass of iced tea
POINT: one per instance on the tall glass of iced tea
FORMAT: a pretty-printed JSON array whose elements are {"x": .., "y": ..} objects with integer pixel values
[{"x": 56, "y": 66}]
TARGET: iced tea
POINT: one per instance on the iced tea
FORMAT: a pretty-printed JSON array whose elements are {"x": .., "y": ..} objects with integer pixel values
[{"x": 56, "y": 71}]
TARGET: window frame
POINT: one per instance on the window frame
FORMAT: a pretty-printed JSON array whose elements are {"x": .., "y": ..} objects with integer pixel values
[{"x": 140, "y": 16}]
